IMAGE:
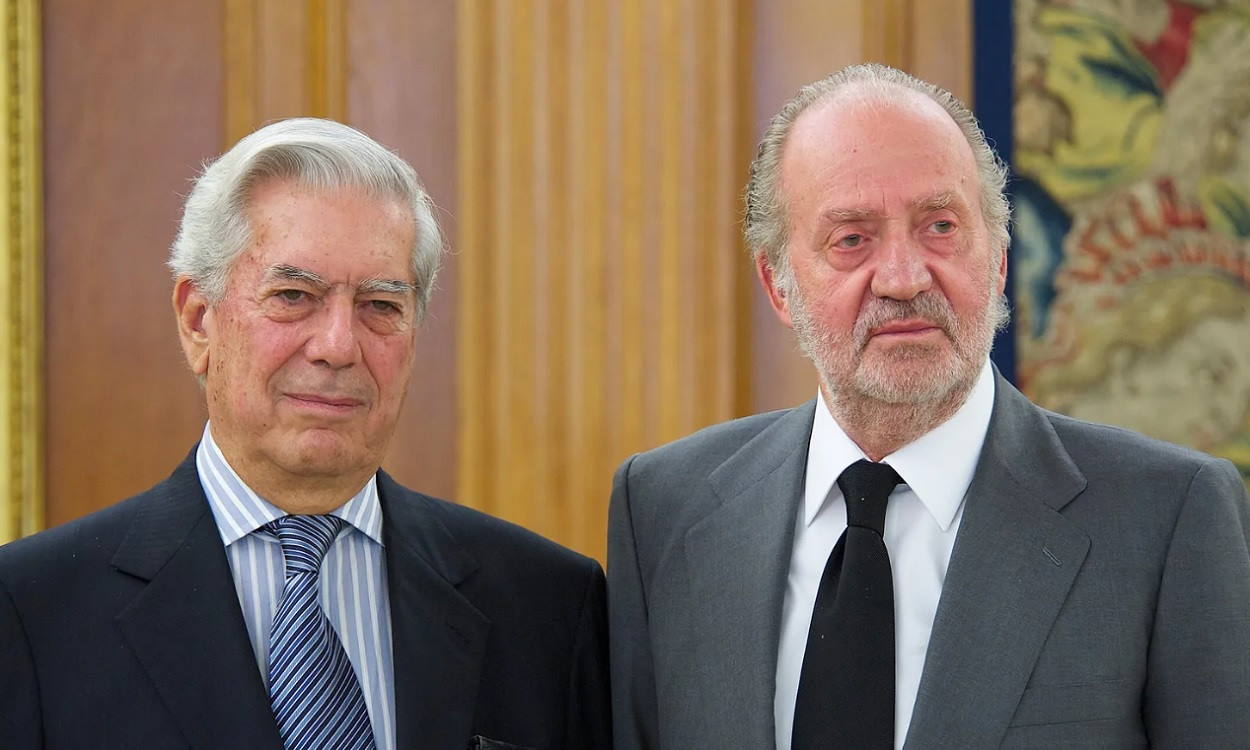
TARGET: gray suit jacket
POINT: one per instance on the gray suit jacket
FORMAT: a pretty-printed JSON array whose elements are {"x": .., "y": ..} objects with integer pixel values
[{"x": 1098, "y": 594}]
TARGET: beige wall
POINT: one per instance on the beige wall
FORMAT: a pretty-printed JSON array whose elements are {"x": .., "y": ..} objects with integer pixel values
[{"x": 589, "y": 159}]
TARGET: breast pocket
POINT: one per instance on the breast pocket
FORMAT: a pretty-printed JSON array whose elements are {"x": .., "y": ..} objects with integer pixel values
[
  {"x": 1101, "y": 715},
  {"x": 1091, "y": 701},
  {"x": 478, "y": 742}
]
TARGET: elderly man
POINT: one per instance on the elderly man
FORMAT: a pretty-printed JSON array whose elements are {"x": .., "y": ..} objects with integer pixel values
[
  {"x": 918, "y": 557},
  {"x": 279, "y": 589}
]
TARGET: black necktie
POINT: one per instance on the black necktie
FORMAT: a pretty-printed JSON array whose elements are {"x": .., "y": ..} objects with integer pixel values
[{"x": 846, "y": 688}]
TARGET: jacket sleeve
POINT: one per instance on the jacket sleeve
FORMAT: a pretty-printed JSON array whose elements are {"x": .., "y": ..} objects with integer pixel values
[
  {"x": 20, "y": 717},
  {"x": 634, "y": 707},
  {"x": 1198, "y": 685},
  {"x": 589, "y": 711}
]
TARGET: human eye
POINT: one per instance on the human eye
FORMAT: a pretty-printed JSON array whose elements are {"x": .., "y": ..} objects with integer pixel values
[
  {"x": 943, "y": 226},
  {"x": 850, "y": 241},
  {"x": 384, "y": 310},
  {"x": 285, "y": 303},
  {"x": 385, "y": 315},
  {"x": 291, "y": 296},
  {"x": 383, "y": 307}
]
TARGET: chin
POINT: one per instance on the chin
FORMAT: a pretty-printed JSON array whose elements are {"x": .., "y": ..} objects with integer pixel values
[
  {"x": 320, "y": 465},
  {"x": 321, "y": 452},
  {"x": 916, "y": 375},
  {"x": 905, "y": 393}
]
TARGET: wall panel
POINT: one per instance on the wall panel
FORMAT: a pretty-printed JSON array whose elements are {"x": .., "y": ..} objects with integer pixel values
[
  {"x": 941, "y": 44},
  {"x": 132, "y": 101},
  {"x": 283, "y": 58},
  {"x": 601, "y": 283}
]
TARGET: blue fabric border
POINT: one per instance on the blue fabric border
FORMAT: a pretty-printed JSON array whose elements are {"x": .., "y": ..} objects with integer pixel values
[{"x": 993, "y": 41}]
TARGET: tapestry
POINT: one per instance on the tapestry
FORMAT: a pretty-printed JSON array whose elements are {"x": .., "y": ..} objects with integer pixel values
[{"x": 1131, "y": 243}]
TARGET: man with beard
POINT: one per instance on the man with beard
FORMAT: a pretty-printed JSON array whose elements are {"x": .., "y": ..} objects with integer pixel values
[{"x": 919, "y": 556}]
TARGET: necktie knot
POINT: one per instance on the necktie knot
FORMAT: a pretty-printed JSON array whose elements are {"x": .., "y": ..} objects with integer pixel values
[
  {"x": 866, "y": 486},
  {"x": 305, "y": 540}
]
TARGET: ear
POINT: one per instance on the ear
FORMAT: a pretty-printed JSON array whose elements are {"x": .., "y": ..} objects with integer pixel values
[
  {"x": 1002, "y": 271},
  {"x": 190, "y": 309},
  {"x": 776, "y": 294}
]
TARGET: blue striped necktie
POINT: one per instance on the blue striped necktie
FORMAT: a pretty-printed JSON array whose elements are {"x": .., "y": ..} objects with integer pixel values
[{"x": 316, "y": 698}]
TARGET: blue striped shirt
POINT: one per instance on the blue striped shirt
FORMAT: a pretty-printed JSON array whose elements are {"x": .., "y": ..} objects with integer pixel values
[{"x": 353, "y": 578}]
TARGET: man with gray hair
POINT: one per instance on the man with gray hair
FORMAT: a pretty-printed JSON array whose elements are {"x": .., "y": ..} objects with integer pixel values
[
  {"x": 279, "y": 589},
  {"x": 918, "y": 557}
]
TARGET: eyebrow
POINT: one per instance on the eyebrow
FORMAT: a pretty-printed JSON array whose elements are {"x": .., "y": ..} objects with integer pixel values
[
  {"x": 386, "y": 286},
  {"x": 368, "y": 286},
  {"x": 840, "y": 215},
  {"x": 933, "y": 202},
  {"x": 294, "y": 273}
]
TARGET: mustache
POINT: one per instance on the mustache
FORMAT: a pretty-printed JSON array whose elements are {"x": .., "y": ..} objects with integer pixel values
[{"x": 931, "y": 306}]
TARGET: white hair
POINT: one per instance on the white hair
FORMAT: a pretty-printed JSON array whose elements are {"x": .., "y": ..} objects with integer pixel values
[
  {"x": 766, "y": 224},
  {"x": 317, "y": 154}
]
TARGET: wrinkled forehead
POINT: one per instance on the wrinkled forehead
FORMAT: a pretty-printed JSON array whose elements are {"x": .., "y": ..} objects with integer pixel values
[
  {"x": 860, "y": 118},
  {"x": 325, "y": 236},
  {"x": 864, "y": 139}
]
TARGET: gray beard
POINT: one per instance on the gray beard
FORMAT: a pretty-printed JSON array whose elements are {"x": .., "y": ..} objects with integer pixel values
[{"x": 872, "y": 395}]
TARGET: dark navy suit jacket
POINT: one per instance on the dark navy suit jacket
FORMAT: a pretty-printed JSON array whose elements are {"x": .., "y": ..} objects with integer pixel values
[{"x": 123, "y": 630}]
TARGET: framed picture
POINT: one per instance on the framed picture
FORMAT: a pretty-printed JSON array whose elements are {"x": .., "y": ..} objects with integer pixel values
[{"x": 21, "y": 277}]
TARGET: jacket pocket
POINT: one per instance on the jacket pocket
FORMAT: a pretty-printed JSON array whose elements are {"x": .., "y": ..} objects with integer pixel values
[
  {"x": 478, "y": 742},
  {"x": 1091, "y": 701}
]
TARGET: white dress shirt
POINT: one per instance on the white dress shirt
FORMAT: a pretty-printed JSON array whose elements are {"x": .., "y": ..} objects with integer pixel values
[
  {"x": 352, "y": 582},
  {"x": 921, "y": 521}
]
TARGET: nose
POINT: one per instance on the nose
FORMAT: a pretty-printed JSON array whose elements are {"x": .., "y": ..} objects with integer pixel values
[
  {"x": 901, "y": 272},
  {"x": 333, "y": 341}
]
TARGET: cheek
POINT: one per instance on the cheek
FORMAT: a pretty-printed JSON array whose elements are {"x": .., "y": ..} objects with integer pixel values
[
  {"x": 390, "y": 364},
  {"x": 256, "y": 367},
  {"x": 842, "y": 305},
  {"x": 273, "y": 346},
  {"x": 236, "y": 395},
  {"x": 967, "y": 286},
  {"x": 829, "y": 293}
]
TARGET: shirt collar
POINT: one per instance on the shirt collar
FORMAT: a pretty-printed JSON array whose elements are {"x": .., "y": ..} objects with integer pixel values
[
  {"x": 938, "y": 466},
  {"x": 239, "y": 511}
]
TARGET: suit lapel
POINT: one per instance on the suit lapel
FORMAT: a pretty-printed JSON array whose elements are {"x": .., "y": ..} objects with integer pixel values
[
  {"x": 439, "y": 637},
  {"x": 185, "y": 627},
  {"x": 1015, "y": 559},
  {"x": 739, "y": 561}
]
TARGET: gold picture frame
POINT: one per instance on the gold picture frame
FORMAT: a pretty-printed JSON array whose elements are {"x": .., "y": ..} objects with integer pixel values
[{"x": 21, "y": 273}]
